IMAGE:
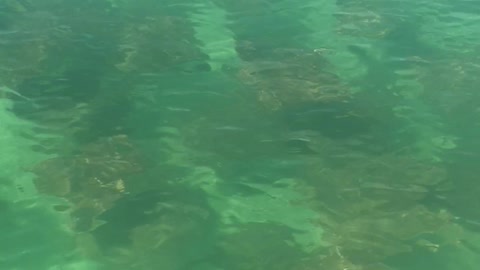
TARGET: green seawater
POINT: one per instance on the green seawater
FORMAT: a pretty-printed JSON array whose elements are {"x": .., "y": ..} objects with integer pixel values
[{"x": 239, "y": 135}]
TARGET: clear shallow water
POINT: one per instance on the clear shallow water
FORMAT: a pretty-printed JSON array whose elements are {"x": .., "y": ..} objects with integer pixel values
[{"x": 239, "y": 135}]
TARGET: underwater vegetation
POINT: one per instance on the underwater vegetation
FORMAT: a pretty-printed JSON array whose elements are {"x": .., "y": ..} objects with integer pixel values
[{"x": 241, "y": 135}]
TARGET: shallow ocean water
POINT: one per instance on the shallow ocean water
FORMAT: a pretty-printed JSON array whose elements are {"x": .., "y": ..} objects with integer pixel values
[{"x": 239, "y": 135}]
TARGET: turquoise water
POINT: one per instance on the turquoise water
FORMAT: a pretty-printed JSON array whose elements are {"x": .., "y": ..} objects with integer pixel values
[{"x": 239, "y": 135}]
